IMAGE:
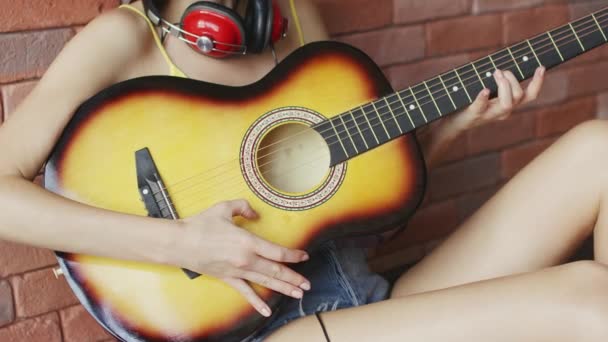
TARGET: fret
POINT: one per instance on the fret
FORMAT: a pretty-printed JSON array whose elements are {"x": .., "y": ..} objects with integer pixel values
[
  {"x": 406, "y": 111},
  {"x": 486, "y": 68},
  {"x": 349, "y": 135},
  {"x": 387, "y": 118},
  {"x": 599, "y": 27},
  {"x": 441, "y": 96},
  {"x": 590, "y": 36},
  {"x": 525, "y": 59},
  {"x": 576, "y": 35},
  {"x": 471, "y": 83},
  {"x": 447, "y": 92},
  {"x": 504, "y": 61},
  {"x": 545, "y": 50},
  {"x": 424, "y": 100},
  {"x": 365, "y": 128},
  {"x": 371, "y": 128},
  {"x": 515, "y": 61},
  {"x": 388, "y": 105},
  {"x": 388, "y": 136},
  {"x": 358, "y": 129},
  {"x": 331, "y": 121},
  {"x": 534, "y": 52},
  {"x": 457, "y": 86},
  {"x": 412, "y": 107},
  {"x": 413, "y": 111},
  {"x": 432, "y": 98},
  {"x": 478, "y": 76},
  {"x": 569, "y": 45},
  {"x": 337, "y": 151},
  {"x": 555, "y": 45}
]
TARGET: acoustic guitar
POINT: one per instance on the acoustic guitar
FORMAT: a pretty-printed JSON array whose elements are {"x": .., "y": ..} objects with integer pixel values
[{"x": 322, "y": 147}]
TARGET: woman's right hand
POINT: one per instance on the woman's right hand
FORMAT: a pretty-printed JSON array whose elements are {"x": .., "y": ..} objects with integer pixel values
[{"x": 212, "y": 244}]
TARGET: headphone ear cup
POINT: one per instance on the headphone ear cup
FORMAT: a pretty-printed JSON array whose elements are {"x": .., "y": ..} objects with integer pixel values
[
  {"x": 257, "y": 24},
  {"x": 217, "y": 31},
  {"x": 279, "y": 24}
]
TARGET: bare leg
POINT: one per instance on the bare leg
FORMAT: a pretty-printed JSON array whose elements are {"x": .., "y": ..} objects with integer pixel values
[
  {"x": 564, "y": 303},
  {"x": 532, "y": 223},
  {"x": 535, "y": 221}
]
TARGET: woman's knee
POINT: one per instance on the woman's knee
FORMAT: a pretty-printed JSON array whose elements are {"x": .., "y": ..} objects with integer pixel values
[{"x": 589, "y": 136}]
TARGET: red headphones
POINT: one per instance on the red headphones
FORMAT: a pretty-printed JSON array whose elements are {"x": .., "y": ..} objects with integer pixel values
[{"x": 218, "y": 31}]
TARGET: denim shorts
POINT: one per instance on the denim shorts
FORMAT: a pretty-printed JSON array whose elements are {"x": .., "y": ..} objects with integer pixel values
[{"x": 340, "y": 278}]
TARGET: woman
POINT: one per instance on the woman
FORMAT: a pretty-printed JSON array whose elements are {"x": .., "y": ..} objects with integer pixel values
[{"x": 493, "y": 279}]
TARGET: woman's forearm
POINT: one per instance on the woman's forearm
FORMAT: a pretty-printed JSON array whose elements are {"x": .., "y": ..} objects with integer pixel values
[
  {"x": 34, "y": 216},
  {"x": 436, "y": 139}
]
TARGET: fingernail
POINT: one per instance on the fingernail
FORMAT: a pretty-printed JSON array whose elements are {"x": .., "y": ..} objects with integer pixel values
[
  {"x": 305, "y": 257},
  {"x": 498, "y": 74},
  {"x": 297, "y": 293},
  {"x": 485, "y": 92},
  {"x": 542, "y": 70},
  {"x": 266, "y": 312},
  {"x": 305, "y": 286}
]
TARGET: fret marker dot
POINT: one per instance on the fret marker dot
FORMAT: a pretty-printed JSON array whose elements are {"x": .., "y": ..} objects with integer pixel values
[
  {"x": 455, "y": 88},
  {"x": 488, "y": 74},
  {"x": 526, "y": 58},
  {"x": 412, "y": 107}
]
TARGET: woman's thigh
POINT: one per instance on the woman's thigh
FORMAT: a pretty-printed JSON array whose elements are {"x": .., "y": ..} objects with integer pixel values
[
  {"x": 535, "y": 221},
  {"x": 563, "y": 303}
]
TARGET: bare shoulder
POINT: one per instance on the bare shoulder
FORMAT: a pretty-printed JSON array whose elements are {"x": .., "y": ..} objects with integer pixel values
[{"x": 312, "y": 23}]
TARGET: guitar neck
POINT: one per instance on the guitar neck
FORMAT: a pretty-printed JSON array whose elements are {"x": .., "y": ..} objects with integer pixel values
[{"x": 375, "y": 123}]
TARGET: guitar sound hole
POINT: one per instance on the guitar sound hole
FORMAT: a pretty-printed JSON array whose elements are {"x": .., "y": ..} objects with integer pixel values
[{"x": 293, "y": 158}]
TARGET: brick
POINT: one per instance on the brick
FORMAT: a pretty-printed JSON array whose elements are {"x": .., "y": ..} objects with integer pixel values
[
  {"x": 78, "y": 325},
  {"x": 602, "y": 105},
  {"x": 40, "y": 292},
  {"x": 484, "y": 6},
  {"x": 501, "y": 133},
  {"x": 587, "y": 79},
  {"x": 356, "y": 15},
  {"x": 40, "y": 329},
  {"x": 409, "y": 11},
  {"x": 559, "y": 119},
  {"x": 520, "y": 25},
  {"x": 430, "y": 223},
  {"x": 581, "y": 9},
  {"x": 464, "y": 176},
  {"x": 470, "y": 203},
  {"x": 464, "y": 34},
  {"x": 405, "y": 75},
  {"x": 28, "y": 54},
  {"x": 18, "y": 258},
  {"x": 36, "y": 14},
  {"x": 554, "y": 90},
  {"x": 388, "y": 46},
  {"x": 514, "y": 159},
  {"x": 7, "y": 313},
  {"x": 13, "y": 94}
]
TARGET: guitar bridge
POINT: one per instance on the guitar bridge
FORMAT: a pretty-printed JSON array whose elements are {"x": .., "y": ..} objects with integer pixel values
[{"x": 153, "y": 192}]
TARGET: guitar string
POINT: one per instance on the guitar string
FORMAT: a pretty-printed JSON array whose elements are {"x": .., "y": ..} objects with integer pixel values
[
  {"x": 587, "y": 20},
  {"x": 387, "y": 114},
  {"x": 240, "y": 181},
  {"x": 346, "y": 128}
]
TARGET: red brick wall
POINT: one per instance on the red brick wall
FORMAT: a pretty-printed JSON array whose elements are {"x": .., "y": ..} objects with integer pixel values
[{"x": 410, "y": 39}]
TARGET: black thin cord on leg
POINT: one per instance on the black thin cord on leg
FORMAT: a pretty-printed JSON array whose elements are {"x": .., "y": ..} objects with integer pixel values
[{"x": 318, "y": 314}]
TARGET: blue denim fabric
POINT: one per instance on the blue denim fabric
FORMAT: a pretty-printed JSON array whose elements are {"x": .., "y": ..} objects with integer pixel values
[{"x": 340, "y": 278}]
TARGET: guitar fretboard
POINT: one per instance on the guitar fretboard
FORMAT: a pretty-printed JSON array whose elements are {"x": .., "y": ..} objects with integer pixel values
[{"x": 375, "y": 123}]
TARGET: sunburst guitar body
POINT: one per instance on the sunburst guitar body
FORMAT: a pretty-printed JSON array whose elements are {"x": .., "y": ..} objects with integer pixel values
[{"x": 171, "y": 147}]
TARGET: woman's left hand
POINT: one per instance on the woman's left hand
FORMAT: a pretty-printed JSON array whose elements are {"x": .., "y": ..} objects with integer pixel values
[
  {"x": 435, "y": 140},
  {"x": 510, "y": 95}
]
